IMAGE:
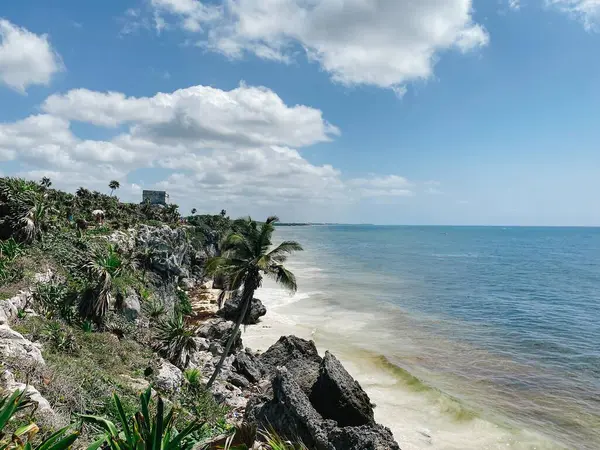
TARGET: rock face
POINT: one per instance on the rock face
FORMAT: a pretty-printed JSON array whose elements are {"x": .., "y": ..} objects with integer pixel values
[
  {"x": 14, "y": 345},
  {"x": 289, "y": 412},
  {"x": 168, "y": 377},
  {"x": 8, "y": 383},
  {"x": 219, "y": 330},
  {"x": 231, "y": 310},
  {"x": 130, "y": 305},
  {"x": 169, "y": 247},
  {"x": 315, "y": 400},
  {"x": 298, "y": 356},
  {"x": 336, "y": 395},
  {"x": 247, "y": 365}
]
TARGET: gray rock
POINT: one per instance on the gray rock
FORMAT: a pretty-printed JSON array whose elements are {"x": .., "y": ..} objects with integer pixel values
[
  {"x": 248, "y": 365},
  {"x": 14, "y": 345},
  {"x": 202, "y": 344},
  {"x": 290, "y": 413},
  {"x": 218, "y": 330},
  {"x": 8, "y": 383},
  {"x": 168, "y": 377},
  {"x": 238, "y": 380},
  {"x": 130, "y": 305},
  {"x": 299, "y": 356},
  {"x": 229, "y": 395},
  {"x": 337, "y": 396},
  {"x": 170, "y": 249},
  {"x": 9, "y": 308},
  {"x": 232, "y": 309},
  {"x": 366, "y": 437}
]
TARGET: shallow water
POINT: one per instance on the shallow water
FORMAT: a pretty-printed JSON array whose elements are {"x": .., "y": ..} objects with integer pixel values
[{"x": 464, "y": 337}]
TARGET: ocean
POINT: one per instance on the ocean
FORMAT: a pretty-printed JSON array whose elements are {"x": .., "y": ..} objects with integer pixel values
[{"x": 464, "y": 337}]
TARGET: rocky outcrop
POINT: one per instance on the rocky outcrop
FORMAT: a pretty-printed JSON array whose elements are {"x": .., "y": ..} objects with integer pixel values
[
  {"x": 218, "y": 331},
  {"x": 14, "y": 345},
  {"x": 248, "y": 365},
  {"x": 8, "y": 384},
  {"x": 299, "y": 356},
  {"x": 232, "y": 309},
  {"x": 336, "y": 395},
  {"x": 169, "y": 248},
  {"x": 289, "y": 412},
  {"x": 130, "y": 305},
  {"x": 314, "y": 399},
  {"x": 168, "y": 377}
]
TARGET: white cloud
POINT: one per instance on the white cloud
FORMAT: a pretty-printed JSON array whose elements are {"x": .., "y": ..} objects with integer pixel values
[
  {"x": 514, "y": 4},
  {"x": 207, "y": 116},
  {"x": 208, "y": 146},
  {"x": 588, "y": 11},
  {"x": 25, "y": 58},
  {"x": 387, "y": 43}
]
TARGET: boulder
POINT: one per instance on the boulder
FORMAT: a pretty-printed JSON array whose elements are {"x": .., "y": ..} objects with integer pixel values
[
  {"x": 14, "y": 345},
  {"x": 8, "y": 383},
  {"x": 337, "y": 396},
  {"x": 232, "y": 309},
  {"x": 130, "y": 305},
  {"x": 218, "y": 330},
  {"x": 9, "y": 308},
  {"x": 248, "y": 365},
  {"x": 299, "y": 356},
  {"x": 289, "y": 412},
  {"x": 366, "y": 437},
  {"x": 168, "y": 377},
  {"x": 238, "y": 380}
]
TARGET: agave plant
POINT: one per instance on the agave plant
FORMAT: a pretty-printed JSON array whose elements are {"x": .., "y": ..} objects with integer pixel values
[
  {"x": 22, "y": 437},
  {"x": 143, "y": 431},
  {"x": 104, "y": 266},
  {"x": 175, "y": 340}
]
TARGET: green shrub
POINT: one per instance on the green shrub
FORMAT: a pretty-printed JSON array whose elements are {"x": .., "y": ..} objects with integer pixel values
[
  {"x": 175, "y": 340},
  {"x": 144, "y": 430},
  {"x": 193, "y": 377},
  {"x": 183, "y": 306}
]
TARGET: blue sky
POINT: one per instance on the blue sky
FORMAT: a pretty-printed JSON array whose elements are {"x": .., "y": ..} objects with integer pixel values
[{"x": 389, "y": 111}]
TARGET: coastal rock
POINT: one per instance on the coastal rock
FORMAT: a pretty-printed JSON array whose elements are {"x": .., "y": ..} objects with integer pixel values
[
  {"x": 14, "y": 345},
  {"x": 231, "y": 310},
  {"x": 299, "y": 356},
  {"x": 169, "y": 248},
  {"x": 9, "y": 308},
  {"x": 247, "y": 365},
  {"x": 371, "y": 437},
  {"x": 219, "y": 330},
  {"x": 289, "y": 412},
  {"x": 238, "y": 380},
  {"x": 337, "y": 396},
  {"x": 168, "y": 377}
]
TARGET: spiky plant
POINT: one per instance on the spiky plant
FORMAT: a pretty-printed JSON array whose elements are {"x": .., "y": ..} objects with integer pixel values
[
  {"x": 21, "y": 438},
  {"x": 144, "y": 431},
  {"x": 246, "y": 257},
  {"x": 104, "y": 266},
  {"x": 175, "y": 340}
]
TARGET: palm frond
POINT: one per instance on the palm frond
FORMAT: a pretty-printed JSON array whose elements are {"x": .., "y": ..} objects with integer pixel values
[{"x": 284, "y": 277}]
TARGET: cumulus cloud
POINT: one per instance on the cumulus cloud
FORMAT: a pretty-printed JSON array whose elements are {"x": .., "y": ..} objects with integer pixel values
[
  {"x": 25, "y": 58},
  {"x": 208, "y": 146},
  {"x": 588, "y": 11},
  {"x": 387, "y": 43},
  {"x": 207, "y": 116}
]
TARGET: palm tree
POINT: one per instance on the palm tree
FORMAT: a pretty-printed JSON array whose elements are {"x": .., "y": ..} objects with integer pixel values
[
  {"x": 113, "y": 185},
  {"x": 245, "y": 259},
  {"x": 194, "y": 210},
  {"x": 45, "y": 182},
  {"x": 223, "y": 213}
]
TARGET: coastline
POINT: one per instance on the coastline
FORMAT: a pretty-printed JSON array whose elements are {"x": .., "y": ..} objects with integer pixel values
[{"x": 419, "y": 416}]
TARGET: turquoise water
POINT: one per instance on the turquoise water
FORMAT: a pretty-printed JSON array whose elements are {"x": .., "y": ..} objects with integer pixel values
[{"x": 505, "y": 320}]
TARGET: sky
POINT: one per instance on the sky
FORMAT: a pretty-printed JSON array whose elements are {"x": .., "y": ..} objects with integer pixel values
[{"x": 351, "y": 111}]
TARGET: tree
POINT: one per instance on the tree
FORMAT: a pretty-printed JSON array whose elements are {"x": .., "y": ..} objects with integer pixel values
[
  {"x": 194, "y": 210},
  {"x": 246, "y": 257},
  {"x": 45, "y": 182},
  {"x": 223, "y": 213},
  {"x": 113, "y": 185}
]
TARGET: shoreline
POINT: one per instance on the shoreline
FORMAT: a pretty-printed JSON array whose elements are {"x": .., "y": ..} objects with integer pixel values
[{"x": 419, "y": 416}]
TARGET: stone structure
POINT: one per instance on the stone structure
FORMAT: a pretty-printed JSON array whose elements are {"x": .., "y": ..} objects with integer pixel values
[{"x": 154, "y": 197}]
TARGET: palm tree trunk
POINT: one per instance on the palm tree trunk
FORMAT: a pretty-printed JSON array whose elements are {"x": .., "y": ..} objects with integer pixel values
[{"x": 247, "y": 299}]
